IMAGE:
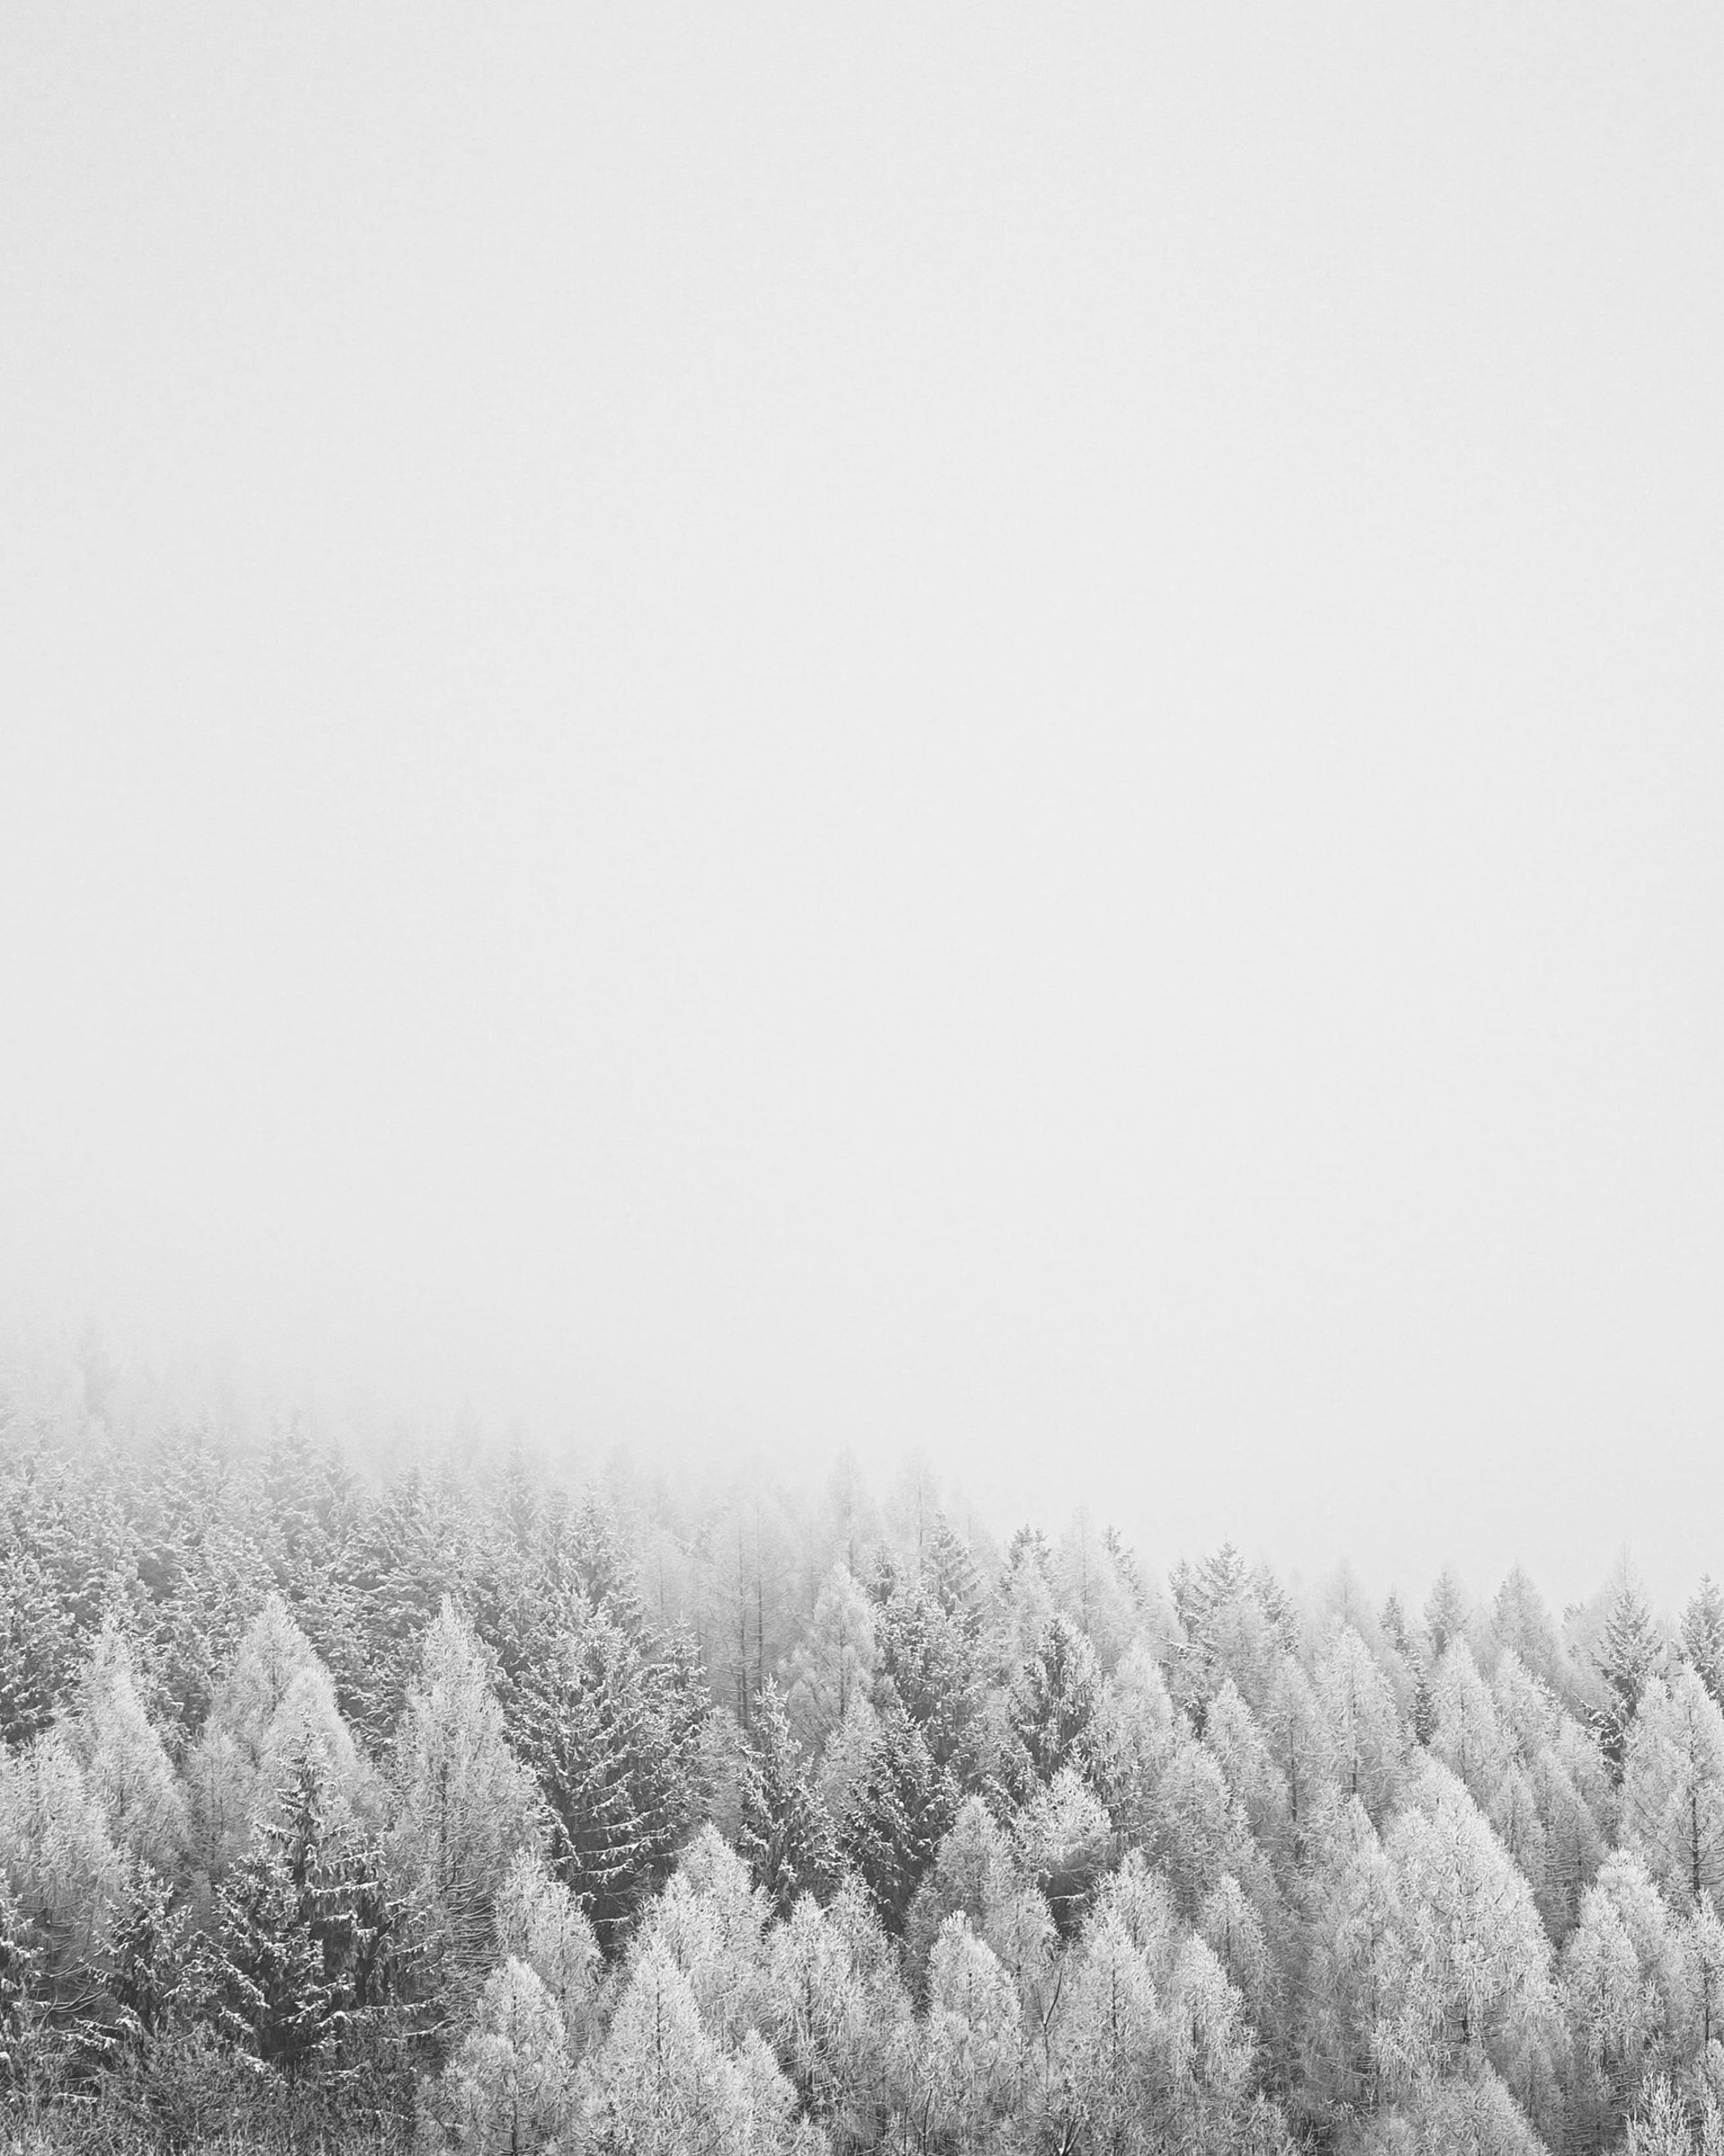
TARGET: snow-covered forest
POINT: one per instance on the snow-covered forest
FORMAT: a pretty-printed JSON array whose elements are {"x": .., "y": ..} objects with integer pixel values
[{"x": 471, "y": 1806}]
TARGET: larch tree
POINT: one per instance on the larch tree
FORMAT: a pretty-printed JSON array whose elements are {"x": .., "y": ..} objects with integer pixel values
[
  {"x": 1062, "y": 1840},
  {"x": 509, "y": 2089},
  {"x": 661, "y": 2086},
  {"x": 464, "y": 1805},
  {"x": 64, "y": 1875},
  {"x": 1466, "y": 1732},
  {"x": 974, "y": 1870},
  {"x": 1673, "y": 1787},
  {"x": 124, "y": 1761},
  {"x": 1475, "y": 1975},
  {"x": 1295, "y": 1731},
  {"x": 1348, "y": 1980},
  {"x": 835, "y": 2012},
  {"x": 1627, "y": 1655},
  {"x": 833, "y": 1662},
  {"x": 1111, "y": 2070},
  {"x": 956, "y": 2069},
  {"x": 1230, "y": 1731},
  {"x": 1130, "y": 1738},
  {"x": 539, "y": 1922},
  {"x": 1622, "y": 1992},
  {"x": 1702, "y": 1635},
  {"x": 1362, "y": 1730}
]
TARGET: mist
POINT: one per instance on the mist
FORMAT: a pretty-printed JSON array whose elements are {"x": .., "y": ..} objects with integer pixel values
[{"x": 990, "y": 737}]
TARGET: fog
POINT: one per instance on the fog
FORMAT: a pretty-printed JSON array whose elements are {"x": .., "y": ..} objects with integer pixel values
[{"x": 995, "y": 733}]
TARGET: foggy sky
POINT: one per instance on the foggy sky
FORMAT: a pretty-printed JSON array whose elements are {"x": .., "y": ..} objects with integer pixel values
[{"x": 985, "y": 729}]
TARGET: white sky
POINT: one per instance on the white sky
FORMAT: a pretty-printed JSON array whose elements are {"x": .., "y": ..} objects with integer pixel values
[{"x": 983, "y": 728}]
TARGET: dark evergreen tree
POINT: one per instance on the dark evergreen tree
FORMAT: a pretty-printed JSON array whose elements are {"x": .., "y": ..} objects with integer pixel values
[
  {"x": 928, "y": 1654},
  {"x": 899, "y": 1810},
  {"x": 785, "y": 1832},
  {"x": 304, "y": 1934},
  {"x": 19, "y": 1963},
  {"x": 612, "y": 1737},
  {"x": 1055, "y": 1699},
  {"x": 145, "y": 1963}
]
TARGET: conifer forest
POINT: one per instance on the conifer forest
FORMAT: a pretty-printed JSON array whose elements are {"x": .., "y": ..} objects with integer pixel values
[{"x": 471, "y": 1806}]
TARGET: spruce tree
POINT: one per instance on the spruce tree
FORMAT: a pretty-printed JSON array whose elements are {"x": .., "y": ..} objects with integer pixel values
[
  {"x": 785, "y": 1835},
  {"x": 20, "y": 1964},
  {"x": 1055, "y": 1700},
  {"x": 899, "y": 1810},
  {"x": 612, "y": 1736},
  {"x": 305, "y": 1928}
]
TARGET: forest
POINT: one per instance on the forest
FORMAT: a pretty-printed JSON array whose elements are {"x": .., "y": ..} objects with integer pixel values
[{"x": 461, "y": 1802}]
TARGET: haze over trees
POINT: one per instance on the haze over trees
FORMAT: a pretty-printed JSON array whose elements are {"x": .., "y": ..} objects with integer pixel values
[{"x": 479, "y": 1809}]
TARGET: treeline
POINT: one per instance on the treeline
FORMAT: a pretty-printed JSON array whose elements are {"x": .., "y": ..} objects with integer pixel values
[{"x": 477, "y": 1811}]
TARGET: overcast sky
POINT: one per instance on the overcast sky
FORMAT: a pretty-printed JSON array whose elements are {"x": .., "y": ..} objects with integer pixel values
[{"x": 983, "y": 728}]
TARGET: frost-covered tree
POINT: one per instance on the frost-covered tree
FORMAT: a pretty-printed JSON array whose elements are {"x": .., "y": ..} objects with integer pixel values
[
  {"x": 836, "y": 2012},
  {"x": 1352, "y": 1958},
  {"x": 899, "y": 1808},
  {"x": 1131, "y": 1737},
  {"x": 612, "y": 1732},
  {"x": 1231, "y": 1732},
  {"x": 1466, "y": 1732},
  {"x": 509, "y": 2089},
  {"x": 1111, "y": 2070},
  {"x": 305, "y": 1932},
  {"x": 833, "y": 1662},
  {"x": 1363, "y": 1739},
  {"x": 1474, "y": 1971},
  {"x": 1621, "y": 1989},
  {"x": 956, "y": 2069},
  {"x": 1296, "y": 1730},
  {"x": 786, "y": 1833},
  {"x": 663, "y": 2087},
  {"x": 539, "y": 1922},
  {"x": 1702, "y": 1635},
  {"x": 66, "y": 1877},
  {"x": 464, "y": 1806},
  {"x": 1062, "y": 1841},
  {"x": 1673, "y": 1786},
  {"x": 125, "y": 1763},
  {"x": 1626, "y": 1657},
  {"x": 711, "y": 1920}
]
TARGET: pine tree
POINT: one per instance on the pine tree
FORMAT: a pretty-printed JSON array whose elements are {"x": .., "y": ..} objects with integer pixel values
[{"x": 786, "y": 1836}]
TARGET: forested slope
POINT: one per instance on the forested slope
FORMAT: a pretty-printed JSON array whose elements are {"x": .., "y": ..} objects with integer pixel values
[{"x": 476, "y": 1808}]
